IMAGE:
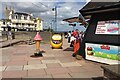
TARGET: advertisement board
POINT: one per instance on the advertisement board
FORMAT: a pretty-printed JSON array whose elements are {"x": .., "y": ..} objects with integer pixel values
[
  {"x": 103, "y": 53},
  {"x": 108, "y": 27}
]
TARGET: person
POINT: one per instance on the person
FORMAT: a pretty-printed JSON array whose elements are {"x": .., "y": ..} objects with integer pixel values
[
  {"x": 9, "y": 32},
  {"x": 65, "y": 35},
  {"x": 69, "y": 36},
  {"x": 82, "y": 36},
  {"x": 76, "y": 42},
  {"x": 72, "y": 40}
]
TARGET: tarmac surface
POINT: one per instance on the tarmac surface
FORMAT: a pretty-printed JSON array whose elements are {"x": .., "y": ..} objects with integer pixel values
[{"x": 55, "y": 63}]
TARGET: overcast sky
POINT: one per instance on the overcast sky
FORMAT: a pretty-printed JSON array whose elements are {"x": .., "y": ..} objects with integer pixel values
[{"x": 43, "y": 9}]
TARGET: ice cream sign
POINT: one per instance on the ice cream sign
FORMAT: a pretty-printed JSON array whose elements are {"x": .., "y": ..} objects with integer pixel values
[
  {"x": 106, "y": 47},
  {"x": 108, "y": 27},
  {"x": 102, "y": 51}
]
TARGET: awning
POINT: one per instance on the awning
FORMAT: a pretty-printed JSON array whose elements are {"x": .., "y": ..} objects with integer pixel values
[
  {"x": 71, "y": 20},
  {"x": 99, "y": 7}
]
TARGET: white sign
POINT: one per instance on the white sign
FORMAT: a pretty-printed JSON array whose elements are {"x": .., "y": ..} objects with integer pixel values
[
  {"x": 108, "y": 27},
  {"x": 108, "y": 54}
]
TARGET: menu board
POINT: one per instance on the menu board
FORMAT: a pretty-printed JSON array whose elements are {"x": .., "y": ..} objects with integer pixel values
[
  {"x": 108, "y": 27},
  {"x": 103, "y": 53}
]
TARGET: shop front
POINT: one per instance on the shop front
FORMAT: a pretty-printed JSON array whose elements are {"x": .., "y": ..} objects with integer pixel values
[{"x": 102, "y": 38}]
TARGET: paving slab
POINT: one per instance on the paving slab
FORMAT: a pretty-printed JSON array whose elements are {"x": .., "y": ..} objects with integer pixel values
[
  {"x": 14, "y": 68},
  {"x": 70, "y": 64},
  {"x": 66, "y": 60},
  {"x": 50, "y": 61},
  {"x": 2, "y": 68},
  {"x": 77, "y": 69},
  {"x": 48, "y": 55},
  {"x": 43, "y": 77},
  {"x": 34, "y": 62},
  {"x": 34, "y": 66},
  {"x": 17, "y": 63},
  {"x": 61, "y": 75},
  {"x": 57, "y": 70},
  {"x": 84, "y": 75},
  {"x": 39, "y": 72},
  {"x": 92, "y": 67},
  {"x": 53, "y": 65},
  {"x": 49, "y": 58},
  {"x": 28, "y": 58},
  {"x": 59, "y": 54},
  {"x": 14, "y": 74}
]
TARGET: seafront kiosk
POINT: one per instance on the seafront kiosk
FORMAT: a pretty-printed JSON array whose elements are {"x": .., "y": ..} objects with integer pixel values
[{"x": 101, "y": 42}]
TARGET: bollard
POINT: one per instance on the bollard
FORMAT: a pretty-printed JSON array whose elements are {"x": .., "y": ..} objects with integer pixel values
[{"x": 38, "y": 39}]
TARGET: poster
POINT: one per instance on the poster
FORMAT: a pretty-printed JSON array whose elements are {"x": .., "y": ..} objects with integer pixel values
[
  {"x": 108, "y": 27},
  {"x": 103, "y": 53}
]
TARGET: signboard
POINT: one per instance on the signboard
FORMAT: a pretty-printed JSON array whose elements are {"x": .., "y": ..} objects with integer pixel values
[
  {"x": 103, "y": 53},
  {"x": 108, "y": 27}
]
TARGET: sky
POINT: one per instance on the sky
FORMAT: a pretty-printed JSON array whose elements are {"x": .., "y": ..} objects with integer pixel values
[{"x": 43, "y": 9}]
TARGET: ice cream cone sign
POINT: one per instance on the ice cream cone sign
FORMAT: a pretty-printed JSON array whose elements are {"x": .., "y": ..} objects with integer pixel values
[{"x": 37, "y": 39}]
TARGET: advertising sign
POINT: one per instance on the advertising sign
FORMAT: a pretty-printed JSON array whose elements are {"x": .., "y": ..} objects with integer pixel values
[
  {"x": 108, "y": 27},
  {"x": 103, "y": 53}
]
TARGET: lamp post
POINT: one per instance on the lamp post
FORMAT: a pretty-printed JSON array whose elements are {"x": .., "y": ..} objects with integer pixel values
[{"x": 55, "y": 9}]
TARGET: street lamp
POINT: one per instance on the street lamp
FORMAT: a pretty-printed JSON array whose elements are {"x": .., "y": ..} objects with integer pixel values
[{"x": 55, "y": 9}]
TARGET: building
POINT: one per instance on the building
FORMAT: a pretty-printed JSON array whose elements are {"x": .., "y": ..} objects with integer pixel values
[{"x": 20, "y": 21}]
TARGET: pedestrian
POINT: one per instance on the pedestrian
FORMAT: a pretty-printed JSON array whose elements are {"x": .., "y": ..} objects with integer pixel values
[
  {"x": 65, "y": 35},
  {"x": 69, "y": 36},
  {"x": 76, "y": 42},
  {"x": 72, "y": 40},
  {"x": 82, "y": 36},
  {"x": 9, "y": 32}
]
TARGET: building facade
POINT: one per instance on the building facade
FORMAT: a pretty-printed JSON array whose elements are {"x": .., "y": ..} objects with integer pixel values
[{"x": 20, "y": 21}]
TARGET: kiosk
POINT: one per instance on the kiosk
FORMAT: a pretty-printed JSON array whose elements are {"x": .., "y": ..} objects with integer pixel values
[{"x": 101, "y": 42}]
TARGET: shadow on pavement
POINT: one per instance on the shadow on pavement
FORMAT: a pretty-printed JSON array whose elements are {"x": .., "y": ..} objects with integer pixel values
[{"x": 68, "y": 49}]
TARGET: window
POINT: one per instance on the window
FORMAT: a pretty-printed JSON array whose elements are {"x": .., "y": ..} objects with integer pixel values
[
  {"x": 19, "y": 17},
  {"x": 16, "y": 24},
  {"x": 16, "y": 17},
  {"x": 3, "y": 23},
  {"x": 25, "y": 17},
  {"x": 35, "y": 25},
  {"x": 23, "y": 24},
  {"x": 28, "y": 24},
  {"x": 12, "y": 16}
]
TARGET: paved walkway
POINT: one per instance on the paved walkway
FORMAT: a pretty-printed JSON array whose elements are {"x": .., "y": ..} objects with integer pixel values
[
  {"x": 55, "y": 63},
  {"x": 7, "y": 43}
]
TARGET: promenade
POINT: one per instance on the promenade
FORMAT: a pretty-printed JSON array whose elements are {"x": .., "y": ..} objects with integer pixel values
[{"x": 55, "y": 63}]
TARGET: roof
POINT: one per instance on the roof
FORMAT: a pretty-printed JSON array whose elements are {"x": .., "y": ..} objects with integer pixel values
[
  {"x": 96, "y": 7},
  {"x": 71, "y": 20},
  {"x": 21, "y": 13},
  {"x": 79, "y": 19},
  {"x": 5, "y": 20},
  {"x": 91, "y": 5}
]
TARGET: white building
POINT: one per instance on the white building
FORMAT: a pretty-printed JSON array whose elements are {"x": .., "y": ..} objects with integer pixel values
[{"x": 20, "y": 21}]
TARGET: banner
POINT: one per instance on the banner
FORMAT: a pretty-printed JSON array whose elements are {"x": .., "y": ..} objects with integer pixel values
[
  {"x": 103, "y": 53},
  {"x": 108, "y": 27}
]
